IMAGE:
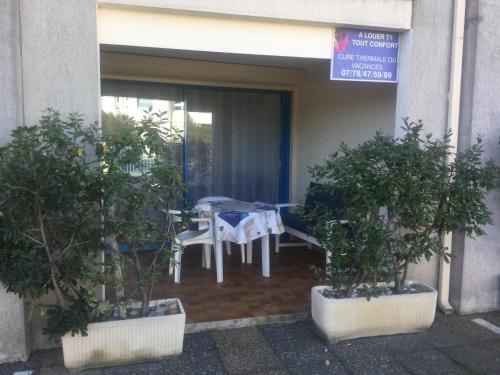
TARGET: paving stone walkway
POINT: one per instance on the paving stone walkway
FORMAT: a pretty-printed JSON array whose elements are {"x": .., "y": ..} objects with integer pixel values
[{"x": 454, "y": 345}]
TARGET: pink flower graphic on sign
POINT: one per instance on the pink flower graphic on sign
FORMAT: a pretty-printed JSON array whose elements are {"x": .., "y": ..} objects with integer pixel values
[{"x": 341, "y": 41}]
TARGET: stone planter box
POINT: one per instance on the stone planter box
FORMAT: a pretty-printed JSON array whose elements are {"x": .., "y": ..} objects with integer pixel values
[
  {"x": 126, "y": 341},
  {"x": 348, "y": 318}
]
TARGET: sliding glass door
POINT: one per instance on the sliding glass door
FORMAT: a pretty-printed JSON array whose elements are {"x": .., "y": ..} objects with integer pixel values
[{"x": 236, "y": 141}]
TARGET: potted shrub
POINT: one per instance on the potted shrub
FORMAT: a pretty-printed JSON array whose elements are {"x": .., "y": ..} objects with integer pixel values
[
  {"x": 49, "y": 235},
  {"x": 401, "y": 196},
  {"x": 140, "y": 182},
  {"x": 66, "y": 195}
]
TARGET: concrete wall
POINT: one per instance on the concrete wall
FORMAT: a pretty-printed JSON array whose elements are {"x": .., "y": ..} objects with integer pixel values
[
  {"x": 60, "y": 64},
  {"x": 476, "y": 271},
  {"x": 11, "y": 98},
  {"x": 15, "y": 331},
  {"x": 216, "y": 34},
  {"x": 60, "y": 57},
  {"x": 49, "y": 58},
  {"x": 423, "y": 92},
  {"x": 331, "y": 112},
  {"x": 13, "y": 343},
  {"x": 425, "y": 70}
]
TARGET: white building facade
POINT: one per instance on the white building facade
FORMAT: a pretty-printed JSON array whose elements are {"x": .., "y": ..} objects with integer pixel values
[{"x": 65, "y": 54}]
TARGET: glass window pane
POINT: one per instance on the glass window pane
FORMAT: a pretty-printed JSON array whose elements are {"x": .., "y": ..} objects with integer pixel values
[
  {"x": 232, "y": 145},
  {"x": 121, "y": 99}
]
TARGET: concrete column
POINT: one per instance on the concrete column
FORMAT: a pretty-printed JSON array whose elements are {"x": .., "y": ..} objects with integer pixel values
[
  {"x": 60, "y": 66},
  {"x": 13, "y": 327},
  {"x": 60, "y": 58},
  {"x": 475, "y": 277},
  {"x": 424, "y": 64},
  {"x": 11, "y": 115}
]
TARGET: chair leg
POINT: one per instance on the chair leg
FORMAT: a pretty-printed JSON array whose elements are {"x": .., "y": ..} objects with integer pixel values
[
  {"x": 177, "y": 265},
  {"x": 266, "y": 267},
  {"x": 171, "y": 261},
  {"x": 249, "y": 252},
  {"x": 218, "y": 261},
  {"x": 207, "y": 256},
  {"x": 242, "y": 248},
  {"x": 228, "y": 247},
  {"x": 276, "y": 243},
  {"x": 171, "y": 266}
]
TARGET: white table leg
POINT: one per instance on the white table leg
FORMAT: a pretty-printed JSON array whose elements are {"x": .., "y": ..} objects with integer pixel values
[
  {"x": 218, "y": 261},
  {"x": 206, "y": 256},
  {"x": 276, "y": 243},
  {"x": 328, "y": 261},
  {"x": 249, "y": 252},
  {"x": 266, "y": 269},
  {"x": 228, "y": 247},
  {"x": 242, "y": 248},
  {"x": 171, "y": 265},
  {"x": 177, "y": 266}
]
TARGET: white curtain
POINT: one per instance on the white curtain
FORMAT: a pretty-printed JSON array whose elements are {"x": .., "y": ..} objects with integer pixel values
[{"x": 242, "y": 157}]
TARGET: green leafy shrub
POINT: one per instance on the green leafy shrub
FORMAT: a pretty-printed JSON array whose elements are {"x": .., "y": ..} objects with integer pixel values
[
  {"x": 49, "y": 227},
  {"x": 67, "y": 193},
  {"x": 401, "y": 196},
  {"x": 141, "y": 182}
]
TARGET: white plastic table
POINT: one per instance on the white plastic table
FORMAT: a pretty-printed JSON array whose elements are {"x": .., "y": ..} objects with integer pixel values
[{"x": 242, "y": 222}]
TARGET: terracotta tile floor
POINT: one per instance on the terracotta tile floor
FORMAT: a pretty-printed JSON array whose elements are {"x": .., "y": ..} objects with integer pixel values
[{"x": 244, "y": 292}]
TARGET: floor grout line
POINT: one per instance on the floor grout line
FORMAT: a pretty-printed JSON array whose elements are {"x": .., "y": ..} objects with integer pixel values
[
  {"x": 246, "y": 322},
  {"x": 453, "y": 360},
  {"x": 262, "y": 346},
  {"x": 485, "y": 324}
]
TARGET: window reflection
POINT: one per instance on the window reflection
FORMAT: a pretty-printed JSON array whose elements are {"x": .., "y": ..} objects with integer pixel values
[
  {"x": 118, "y": 111},
  {"x": 199, "y": 143}
]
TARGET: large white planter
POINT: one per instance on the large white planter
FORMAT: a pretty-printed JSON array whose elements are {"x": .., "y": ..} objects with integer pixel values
[
  {"x": 348, "y": 318},
  {"x": 125, "y": 341}
]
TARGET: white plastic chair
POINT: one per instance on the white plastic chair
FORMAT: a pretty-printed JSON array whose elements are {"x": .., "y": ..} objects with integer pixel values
[
  {"x": 207, "y": 256},
  {"x": 189, "y": 237}
]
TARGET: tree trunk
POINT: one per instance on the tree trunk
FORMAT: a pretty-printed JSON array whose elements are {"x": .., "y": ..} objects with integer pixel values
[
  {"x": 144, "y": 302},
  {"x": 396, "y": 276},
  {"x": 405, "y": 273},
  {"x": 111, "y": 241},
  {"x": 140, "y": 277}
]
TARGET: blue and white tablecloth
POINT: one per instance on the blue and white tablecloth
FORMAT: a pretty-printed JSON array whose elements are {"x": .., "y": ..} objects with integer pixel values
[{"x": 242, "y": 222}]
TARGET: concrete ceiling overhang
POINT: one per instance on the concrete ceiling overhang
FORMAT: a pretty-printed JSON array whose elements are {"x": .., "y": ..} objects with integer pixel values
[{"x": 231, "y": 58}]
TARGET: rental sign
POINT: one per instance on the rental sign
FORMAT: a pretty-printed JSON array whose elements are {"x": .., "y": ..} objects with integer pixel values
[{"x": 365, "y": 55}]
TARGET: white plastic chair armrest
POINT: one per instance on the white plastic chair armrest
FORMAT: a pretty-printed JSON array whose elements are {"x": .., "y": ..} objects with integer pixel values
[
  {"x": 175, "y": 212},
  {"x": 279, "y": 206},
  {"x": 201, "y": 219}
]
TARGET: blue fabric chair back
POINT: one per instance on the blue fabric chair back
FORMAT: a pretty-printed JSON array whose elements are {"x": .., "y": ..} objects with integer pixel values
[{"x": 321, "y": 194}]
